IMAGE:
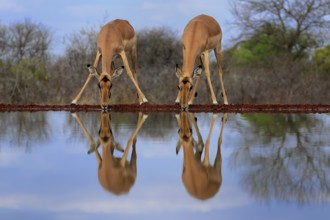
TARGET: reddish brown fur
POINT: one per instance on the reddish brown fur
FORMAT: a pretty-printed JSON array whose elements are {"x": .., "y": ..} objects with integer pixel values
[
  {"x": 201, "y": 179},
  {"x": 201, "y": 35},
  {"x": 114, "y": 39},
  {"x": 116, "y": 175}
]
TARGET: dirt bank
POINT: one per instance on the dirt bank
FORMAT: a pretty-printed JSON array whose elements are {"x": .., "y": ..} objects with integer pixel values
[{"x": 234, "y": 108}]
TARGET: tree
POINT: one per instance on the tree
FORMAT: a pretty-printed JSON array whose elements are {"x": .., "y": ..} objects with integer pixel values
[
  {"x": 283, "y": 157},
  {"x": 260, "y": 48},
  {"x": 273, "y": 54},
  {"x": 69, "y": 72},
  {"x": 24, "y": 40},
  {"x": 158, "y": 47},
  {"x": 3, "y": 38},
  {"x": 322, "y": 60},
  {"x": 297, "y": 25},
  {"x": 24, "y": 54},
  {"x": 158, "y": 50}
]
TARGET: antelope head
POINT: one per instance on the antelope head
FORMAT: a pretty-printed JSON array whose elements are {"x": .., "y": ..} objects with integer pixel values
[
  {"x": 105, "y": 85},
  {"x": 185, "y": 131},
  {"x": 186, "y": 85},
  {"x": 105, "y": 132}
]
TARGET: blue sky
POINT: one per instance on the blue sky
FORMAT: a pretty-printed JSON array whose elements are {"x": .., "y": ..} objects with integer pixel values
[{"x": 64, "y": 17}]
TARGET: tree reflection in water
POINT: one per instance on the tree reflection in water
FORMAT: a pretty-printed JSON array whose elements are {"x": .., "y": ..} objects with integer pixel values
[
  {"x": 24, "y": 128},
  {"x": 284, "y": 157}
]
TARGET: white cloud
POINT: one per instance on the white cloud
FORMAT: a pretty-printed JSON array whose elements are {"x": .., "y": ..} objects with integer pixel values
[
  {"x": 8, "y": 158},
  {"x": 129, "y": 205},
  {"x": 10, "y": 5},
  {"x": 17, "y": 201}
]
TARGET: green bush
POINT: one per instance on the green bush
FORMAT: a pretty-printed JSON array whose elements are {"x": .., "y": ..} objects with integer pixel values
[{"x": 321, "y": 59}]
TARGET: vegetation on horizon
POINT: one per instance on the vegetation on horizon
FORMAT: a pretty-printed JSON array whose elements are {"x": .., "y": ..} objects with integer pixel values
[{"x": 281, "y": 56}]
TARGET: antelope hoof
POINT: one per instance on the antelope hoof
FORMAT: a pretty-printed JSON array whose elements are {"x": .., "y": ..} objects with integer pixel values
[
  {"x": 144, "y": 101},
  {"x": 104, "y": 108},
  {"x": 74, "y": 102},
  {"x": 144, "y": 117},
  {"x": 214, "y": 102},
  {"x": 91, "y": 149}
]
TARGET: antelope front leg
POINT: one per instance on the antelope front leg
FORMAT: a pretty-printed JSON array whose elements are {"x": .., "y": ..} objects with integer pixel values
[
  {"x": 179, "y": 142},
  {"x": 177, "y": 100},
  {"x": 200, "y": 144},
  {"x": 98, "y": 158},
  {"x": 218, "y": 55},
  {"x": 199, "y": 62},
  {"x": 207, "y": 73},
  {"x": 218, "y": 158},
  {"x": 75, "y": 100},
  {"x": 140, "y": 122},
  {"x": 194, "y": 91},
  {"x": 223, "y": 122},
  {"x": 206, "y": 161},
  {"x": 133, "y": 56},
  {"x": 93, "y": 146},
  {"x": 92, "y": 73},
  {"x": 142, "y": 98}
]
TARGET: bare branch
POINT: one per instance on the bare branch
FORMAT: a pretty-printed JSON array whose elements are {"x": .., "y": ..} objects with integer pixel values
[{"x": 294, "y": 20}]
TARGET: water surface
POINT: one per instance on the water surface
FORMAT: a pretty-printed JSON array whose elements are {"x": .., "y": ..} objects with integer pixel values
[{"x": 267, "y": 166}]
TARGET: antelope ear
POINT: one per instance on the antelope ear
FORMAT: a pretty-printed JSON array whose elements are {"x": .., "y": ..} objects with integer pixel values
[
  {"x": 118, "y": 72},
  {"x": 91, "y": 70},
  {"x": 178, "y": 71},
  {"x": 197, "y": 71}
]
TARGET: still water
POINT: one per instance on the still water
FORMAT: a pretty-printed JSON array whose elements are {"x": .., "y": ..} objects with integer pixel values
[{"x": 55, "y": 165}]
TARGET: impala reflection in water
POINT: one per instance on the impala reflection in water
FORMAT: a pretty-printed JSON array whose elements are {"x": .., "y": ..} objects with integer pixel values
[
  {"x": 116, "y": 175},
  {"x": 201, "y": 179},
  {"x": 275, "y": 164}
]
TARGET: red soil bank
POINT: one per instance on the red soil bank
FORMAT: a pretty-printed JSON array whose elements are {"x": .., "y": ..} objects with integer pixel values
[{"x": 233, "y": 108}]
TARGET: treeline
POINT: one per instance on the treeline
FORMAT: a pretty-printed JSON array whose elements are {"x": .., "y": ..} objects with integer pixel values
[
  {"x": 273, "y": 61},
  {"x": 282, "y": 55},
  {"x": 30, "y": 74}
]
